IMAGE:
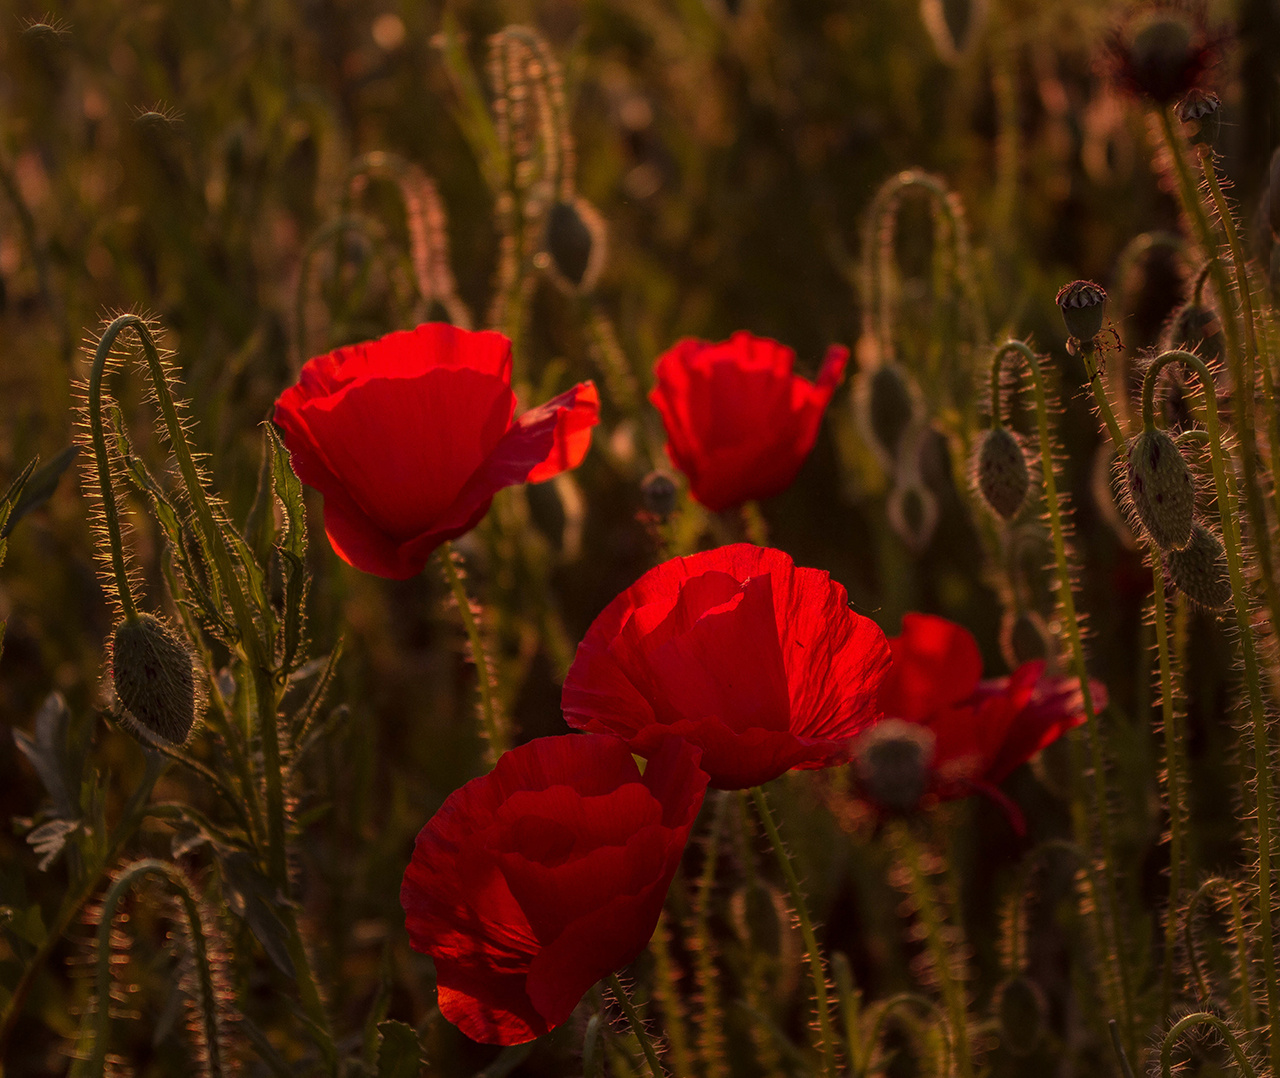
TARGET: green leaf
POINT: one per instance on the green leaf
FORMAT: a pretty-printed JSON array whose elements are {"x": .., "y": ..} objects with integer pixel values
[
  {"x": 47, "y": 753},
  {"x": 292, "y": 545},
  {"x": 260, "y": 525},
  {"x": 37, "y": 489},
  {"x": 14, "y": 494},
  {"x": 251, "y": 897},
  {"x": 399, "y": 1054},
  {"x": 471, "y": 111}
]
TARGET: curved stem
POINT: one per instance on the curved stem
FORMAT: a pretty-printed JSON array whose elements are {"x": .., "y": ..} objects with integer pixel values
[
  {"x": 1247, "y": 1008},
  {"x": 637, "y": 1025},
  {"x": 1224, "y": 486},
  {"x": 1202, "y": 1018},
  {"x": 1108, "y": 925},
  {"x": 826, "y": 1030},
  {"x": 493, "y": 731}
]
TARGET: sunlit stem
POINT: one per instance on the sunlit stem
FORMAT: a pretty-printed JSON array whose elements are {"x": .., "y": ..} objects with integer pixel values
[
  {"x": 637, "y": 1025},
  {"x": 826, "y": 1029},
  {"x": 931, "y": 918},
  {"x": 1224, "y": 486},
  {"x": 1104, "y": 911},
  {"x": 1245, "y": 1006},
  {"x": 1173, "y": 775},
  {"x": 1220, "y": 1027},
  {"x": 495, "y": 735}
]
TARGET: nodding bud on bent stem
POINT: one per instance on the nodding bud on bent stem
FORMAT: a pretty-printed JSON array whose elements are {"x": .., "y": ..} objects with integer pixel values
[
  {"x": 154, "y": 681},
  {"x": 1161, "y": 488},
  {"x": 1200, "y": 570},
  {"x": 1001, "y": 472}
]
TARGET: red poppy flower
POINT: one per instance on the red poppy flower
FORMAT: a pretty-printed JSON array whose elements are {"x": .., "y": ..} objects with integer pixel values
[
  {"x": 981, "y": 730},
  {"x": 409, "y": 437},
  {"x": 760, "y": 664},
  {"x": 533, "y": 882},
  {"x": 739, "y": 423}
]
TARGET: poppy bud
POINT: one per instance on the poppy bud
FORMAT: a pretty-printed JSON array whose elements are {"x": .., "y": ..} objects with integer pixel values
[
  {"x": 885, "y": 407},
  {"x": 1203, "y": 109},
  {"x": 1082, "y": 304},
  {"x": 1020, "y": 1014},
  {"x": 1024, "y": 638},
  {"x": 575, "y": 241},
  {"x": 151, "y": 671},
  {"x": 1161, "y": 54},
  {"x": 1196, "y": 328},
  {"x": 1001, "y": 472},
  {"x": 1200, "y": 571},
  {"x": 891, "y": 761},
  {"x": 1161, "y": 488},
  {"x": 658, "y": 491}
]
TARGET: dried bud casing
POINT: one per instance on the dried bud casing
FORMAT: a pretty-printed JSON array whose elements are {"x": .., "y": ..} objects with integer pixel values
[
  {"x": 1200, "y": 570},
  {"x": 575, "y": 244},
  {"x": 1162, "y": 490},
  {"x": 659, "y": 493},
  {"x": 153, "y": 678},
  {"x": 891, "y": 762},
  {"x": 1001, "y": 472},
  {"x": 1083, "y": 305}
]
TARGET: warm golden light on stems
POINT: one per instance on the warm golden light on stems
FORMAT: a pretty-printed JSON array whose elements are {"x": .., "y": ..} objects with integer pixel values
[{"x": 637, "y": 1025}]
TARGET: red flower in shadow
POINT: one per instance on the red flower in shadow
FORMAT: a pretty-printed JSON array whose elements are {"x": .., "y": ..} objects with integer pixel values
[
  {"x": 981, "y": 730},
  {"x": 535, "y": 881},
  {"x": 739, "y": 423},
  {"x": 760, "y": 664},
  {"x": 409, "y": 437}
]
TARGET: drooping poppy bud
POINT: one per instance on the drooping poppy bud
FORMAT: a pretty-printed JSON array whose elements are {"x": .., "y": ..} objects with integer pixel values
[
  {"x": 892, "y": 763},
  {"x": 659, "y": 493},
  {"x": 152, "y": 673},
  {"x": 1161, "y": 487},
  {"x": 1082, "y": 304},
  {"x": 885, "y": 407},
  {"x": 1001, "y": 472},
  {"x": 575, "y": 243},
  {"x": 1200, "y": 570}
]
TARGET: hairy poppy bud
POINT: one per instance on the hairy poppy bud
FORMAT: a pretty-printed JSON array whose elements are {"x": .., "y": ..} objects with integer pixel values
[
  {"x": 1024, "y": 638},
  {"x": 1195, "y": 327},
  {"x": 1161, "y": 488},
  {"x": 575, "y": 242},
  {"x": 1082, "y": 304},
  {"x": 1203, "y": 109},
  {"x": 886, "y": 407},
  {"x": 1020, "y": 1014},
  {"x": 151, "y": 671},
  {"x": 1200, "y": 570},
  {"x": 658, "y": 491},
  {"x": 1001, "y": 472},
  {"x": 891, "y": 762}
]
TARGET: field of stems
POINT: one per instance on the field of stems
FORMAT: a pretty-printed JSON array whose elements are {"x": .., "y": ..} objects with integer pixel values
[{"x": 707, "y": 538}]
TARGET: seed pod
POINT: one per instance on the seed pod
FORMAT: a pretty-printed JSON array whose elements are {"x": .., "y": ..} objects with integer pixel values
[
  {"x": 1024, "y": 637},
  {"x": 891, "y": 763},
  {"x": 1001, "y": 472},
  {"x": 1202, "y": 109},
  {"x": 886, "y": 407},
  {"x": 658, "y": 491},
  {"x": 1020, "y": 1011},
  {"x": 1200, "y": 570},
  {"x": 152, "y": 673},
  {"x": 1161, "y": 488},
  {"x": 575, "y": 243},
  {"x": 1083, "y": 304}
]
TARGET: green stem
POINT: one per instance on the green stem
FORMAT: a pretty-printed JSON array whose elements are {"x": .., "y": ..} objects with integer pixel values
[
  {"x": 826, "y": 1031},
  {"x": 494, "y": 733},
  {"x": 1224, "y": 486},
  {"x": 1106, "y": 910},
  {"x": 1223, "y": 1030},
  {"x": 637, "y": 1025},
  {"x": 931, "y": 917},
  {"x": 1246, "y": 1008},
  {"x": 711, "y": 1032}
]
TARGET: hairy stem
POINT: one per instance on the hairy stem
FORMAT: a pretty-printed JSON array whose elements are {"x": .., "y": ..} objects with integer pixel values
[
  {"x": 637, "y": 1025},
  {"x": 494, "y": 731}
]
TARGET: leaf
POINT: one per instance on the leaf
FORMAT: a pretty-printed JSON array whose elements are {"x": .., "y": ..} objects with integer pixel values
[
  {"x": 292, "y": 545},
  {"x": 399, "y": 1054},
  {"x": 14, "y": 493},
  {"x": 260, "y": 524},
  {"x": 38, "y": 488},
  {"x": 471, "y": 112},
  {"x": 252, "y": 897},
  {"x": 47, "y": 752}
]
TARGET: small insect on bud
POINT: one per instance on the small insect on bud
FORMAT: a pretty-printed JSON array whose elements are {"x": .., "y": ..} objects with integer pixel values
[
  {"x": 886, "y": 407},
  {"x": 1023, "y": 637},
  {"x": 1082, "y": 304},
  {"x": 153, "y": 678},
  {"x": 1202, "y": 109},
  {"x": 1200, "y": 570},
  {"x": 1001, "y": 472},
  {"x": 575, "y": 245},
  {"x": 891, "y": 762},
  {"x": 659, "y": 492},
  {"x": 1020, "y": 1011},
  {"x": 1160, "y": 485}
]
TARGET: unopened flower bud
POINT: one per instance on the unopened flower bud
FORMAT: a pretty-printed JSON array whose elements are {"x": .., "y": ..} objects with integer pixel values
[
  {"x": 1200, "y": 570},
  {"x": 1024, "y": 637},
  {"x": 1160, "y": 485},
  {"x": 1082, "y": 304},
  {"x": 1195, "y": 327},
  {"x": 1020, "y": 1011},
  {"x": 886, "y": 407},
  {"x": 152, "y": 673},
  {"x": 913, "y": 513},
  {"x": 1001, "y": 472},
  {"x": 891, "y": 762},
  {"x": 1202, "y": 109},
  {"x": 575, "y": 243},
  {"x": 658, "y": 491}
]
